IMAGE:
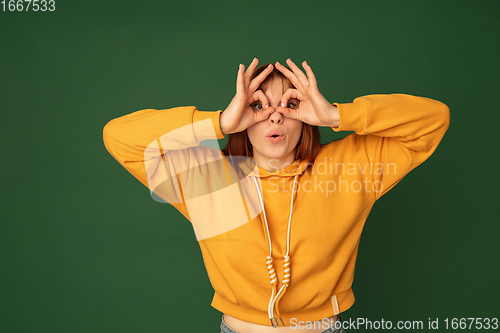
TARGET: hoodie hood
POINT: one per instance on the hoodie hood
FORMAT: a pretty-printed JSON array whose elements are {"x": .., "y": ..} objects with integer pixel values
[{"x": 250, "y": 168}]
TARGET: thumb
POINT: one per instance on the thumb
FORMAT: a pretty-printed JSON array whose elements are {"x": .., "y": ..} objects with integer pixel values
[
  {"x": 264, "y": 114},
  {"x": 289, "y": 113}
]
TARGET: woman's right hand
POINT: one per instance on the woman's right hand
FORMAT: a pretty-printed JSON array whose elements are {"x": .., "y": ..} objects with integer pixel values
[{"x": 239, "y": 115}]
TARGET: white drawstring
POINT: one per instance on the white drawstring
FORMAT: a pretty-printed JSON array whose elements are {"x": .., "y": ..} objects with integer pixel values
[{"x": 286, "y": 261}]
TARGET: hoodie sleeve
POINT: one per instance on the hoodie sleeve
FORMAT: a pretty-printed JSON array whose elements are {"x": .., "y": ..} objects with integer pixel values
[
  {"x": 157, "y": 146},
  {"x": 398, "y": 132}
]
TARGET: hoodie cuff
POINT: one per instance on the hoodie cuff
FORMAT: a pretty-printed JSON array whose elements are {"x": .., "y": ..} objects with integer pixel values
[
  {"x": 352, "y": 117},
  {"x": 207, "y": 130}
]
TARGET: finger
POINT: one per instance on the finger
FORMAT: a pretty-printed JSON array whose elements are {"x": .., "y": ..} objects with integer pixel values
[
  {"x": 240, "y": 87},
  {"x": 310, "y": 74},
  {"x": 288, "y": 74},
  {"x": 264, "y": 114},
  {"x": 260, "y": 78},
  {"x": 288, "y": 113},
  {"x": 296, "y": 70},
  {"x": 260, "y": 96},
  {"x": 249, "y": 72},
  {"x": 289, "y": 93}
]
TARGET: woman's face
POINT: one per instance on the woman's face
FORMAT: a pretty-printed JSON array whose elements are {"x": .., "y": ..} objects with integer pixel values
[{"x": 275, "y": 139}]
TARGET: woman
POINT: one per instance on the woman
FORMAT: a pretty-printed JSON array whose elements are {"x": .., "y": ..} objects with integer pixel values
[{"x": 278, "y": 217}]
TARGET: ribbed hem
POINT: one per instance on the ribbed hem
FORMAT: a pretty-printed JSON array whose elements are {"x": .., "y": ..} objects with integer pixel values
[
  {"x": 352, "y": 117},
  {"x": 214, "y": 116},
  {"x": 345, "y": 301}
]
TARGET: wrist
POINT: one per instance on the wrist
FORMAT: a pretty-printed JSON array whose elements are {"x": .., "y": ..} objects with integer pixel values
[
  {"x": 335, "y": 119},
  {"x": 223, "y": 128}
]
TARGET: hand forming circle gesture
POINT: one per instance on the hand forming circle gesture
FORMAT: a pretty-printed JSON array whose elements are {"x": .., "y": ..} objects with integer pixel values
[
  {"x": 238, "y": 116},
  {"x": 314, "y": 109}
]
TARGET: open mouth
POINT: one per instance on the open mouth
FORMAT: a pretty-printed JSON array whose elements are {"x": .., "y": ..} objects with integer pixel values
[{"x": 275, "y": 138}]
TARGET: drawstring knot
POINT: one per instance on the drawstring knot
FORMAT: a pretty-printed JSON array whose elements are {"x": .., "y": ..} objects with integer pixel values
[
  {"x": 270, "y": 269},
  {"x": 286, "y": 269}
]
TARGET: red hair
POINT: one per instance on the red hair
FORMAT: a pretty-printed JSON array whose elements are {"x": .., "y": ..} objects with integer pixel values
[{"x": 309, "y": 143}]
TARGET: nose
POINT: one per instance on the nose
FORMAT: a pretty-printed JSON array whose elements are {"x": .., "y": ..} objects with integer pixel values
[{"x": 276, "y": 118}]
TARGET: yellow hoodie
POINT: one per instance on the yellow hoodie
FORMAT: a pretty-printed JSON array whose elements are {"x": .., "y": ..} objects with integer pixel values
[{"x": 279, "y": 247}]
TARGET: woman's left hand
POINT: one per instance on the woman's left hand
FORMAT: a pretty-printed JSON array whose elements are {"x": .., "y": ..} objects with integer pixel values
[{"x": 314, "y": 109}]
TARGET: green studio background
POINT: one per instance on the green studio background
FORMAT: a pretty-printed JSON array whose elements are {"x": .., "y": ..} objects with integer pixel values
[{"x": 84, "y": 248}]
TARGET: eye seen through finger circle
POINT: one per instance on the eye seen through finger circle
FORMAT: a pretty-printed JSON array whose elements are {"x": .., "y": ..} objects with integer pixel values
[
  {"x": 293, "y": 103},
  {"x": 256, "y": 106}
]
